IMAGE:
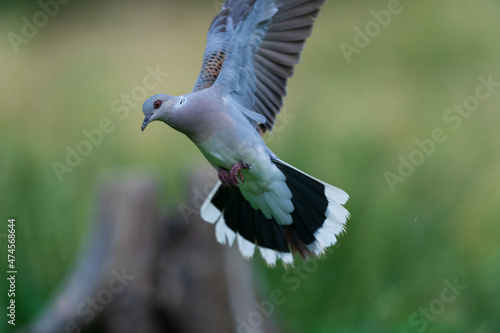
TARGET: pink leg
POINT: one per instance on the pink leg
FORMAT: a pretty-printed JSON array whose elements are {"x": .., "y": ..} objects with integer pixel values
[
  {"x": 235, "y": 173},
  {"x": 224, "y": 177}
]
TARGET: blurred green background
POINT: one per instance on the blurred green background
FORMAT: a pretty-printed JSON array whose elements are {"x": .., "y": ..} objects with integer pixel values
[{"x": 348, "y": 123}]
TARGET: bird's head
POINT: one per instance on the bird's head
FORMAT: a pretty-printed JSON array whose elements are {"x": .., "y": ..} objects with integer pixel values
[{"x": 161, "y": 107}]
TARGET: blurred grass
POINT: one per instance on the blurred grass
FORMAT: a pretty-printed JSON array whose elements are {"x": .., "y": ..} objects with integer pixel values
[{"x": 351, "y": 122}]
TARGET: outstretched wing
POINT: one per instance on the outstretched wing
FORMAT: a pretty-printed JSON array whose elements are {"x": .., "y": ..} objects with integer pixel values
[{"x": 252, "y": 47}]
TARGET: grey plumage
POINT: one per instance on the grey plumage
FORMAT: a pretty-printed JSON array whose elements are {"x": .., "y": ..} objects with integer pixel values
[{"x": 251, "y": 49}]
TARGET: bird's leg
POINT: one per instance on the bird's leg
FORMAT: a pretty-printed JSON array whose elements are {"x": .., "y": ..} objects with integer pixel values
[
  {"x": 235, "y": 172},
  {"x": 224, "y": 177}
]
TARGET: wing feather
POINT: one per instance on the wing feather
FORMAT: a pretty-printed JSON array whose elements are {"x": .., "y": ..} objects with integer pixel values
[
  {"x": 281, "y": 58},
  {"x": 280, "y": 72},
  {"x": 282, "y": 47}
]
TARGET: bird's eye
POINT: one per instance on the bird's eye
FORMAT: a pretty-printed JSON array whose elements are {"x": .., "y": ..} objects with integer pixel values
[{"x": 157, "y": 104}]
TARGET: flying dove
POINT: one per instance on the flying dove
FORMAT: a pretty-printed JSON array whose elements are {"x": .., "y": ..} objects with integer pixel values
[{"x": 259, "y": 201}]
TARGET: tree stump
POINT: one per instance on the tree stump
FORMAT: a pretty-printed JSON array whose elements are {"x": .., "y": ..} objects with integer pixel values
[{"x": 143, "y": 272}]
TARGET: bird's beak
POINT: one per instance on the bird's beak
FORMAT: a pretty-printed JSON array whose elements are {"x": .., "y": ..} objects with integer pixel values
[{"x": 147, "y": 120}]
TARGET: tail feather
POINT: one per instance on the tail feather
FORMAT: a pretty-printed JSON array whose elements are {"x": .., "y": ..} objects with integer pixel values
[
  {"x": 318, "y": 217},
  {"x": 296, "y": 244}
]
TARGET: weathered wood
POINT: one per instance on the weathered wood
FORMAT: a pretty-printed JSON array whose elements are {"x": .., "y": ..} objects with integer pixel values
[{"x": 144, "y": 272}]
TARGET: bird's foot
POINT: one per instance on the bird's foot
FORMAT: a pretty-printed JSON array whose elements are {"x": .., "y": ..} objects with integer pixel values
[
  {"x": 232, "y": 177},
  {"x": 235, "y": 173},
  {"x": 224, "y": 177}
]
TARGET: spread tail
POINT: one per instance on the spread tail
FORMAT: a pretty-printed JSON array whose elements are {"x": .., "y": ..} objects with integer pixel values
[{"x": 318, "y": 217}]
